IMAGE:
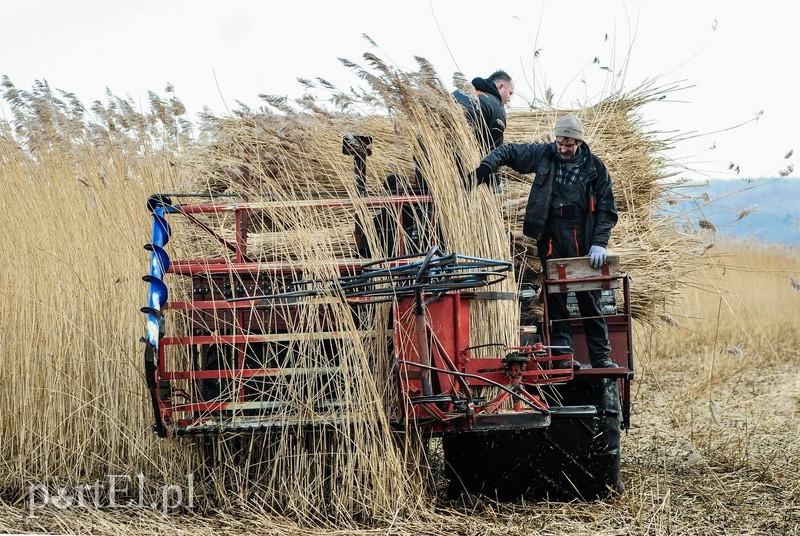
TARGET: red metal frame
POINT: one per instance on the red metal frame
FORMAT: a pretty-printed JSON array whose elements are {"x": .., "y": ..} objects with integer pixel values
[
  {"x": 620, "y": 333},
  {"x": 239, "y": 314},
  {"x": 438, "y": 375},
  {"x": 458, "y": 372}
]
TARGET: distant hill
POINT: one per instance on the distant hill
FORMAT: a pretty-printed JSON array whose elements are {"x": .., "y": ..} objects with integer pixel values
[{"x": 767, "y": 210}]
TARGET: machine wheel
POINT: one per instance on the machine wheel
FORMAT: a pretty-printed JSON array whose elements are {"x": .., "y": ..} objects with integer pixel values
[{"x": 575, "y": 458}]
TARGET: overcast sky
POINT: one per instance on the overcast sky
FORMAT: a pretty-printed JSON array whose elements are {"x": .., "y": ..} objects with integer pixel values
[{"x": 740, "y": 58}]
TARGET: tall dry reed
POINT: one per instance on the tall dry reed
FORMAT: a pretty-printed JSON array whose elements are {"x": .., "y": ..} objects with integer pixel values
[{"x": 74, "y": 404}]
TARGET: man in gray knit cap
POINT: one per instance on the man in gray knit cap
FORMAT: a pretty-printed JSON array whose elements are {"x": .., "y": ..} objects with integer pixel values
[{"x": 570, "y": 212}]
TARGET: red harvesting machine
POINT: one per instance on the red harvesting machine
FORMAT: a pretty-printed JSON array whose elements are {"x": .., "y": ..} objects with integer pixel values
[{"x": 513, "y": 421}]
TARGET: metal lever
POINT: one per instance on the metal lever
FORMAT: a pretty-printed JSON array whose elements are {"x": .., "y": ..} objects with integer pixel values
[{"x": 359, "y": 147}]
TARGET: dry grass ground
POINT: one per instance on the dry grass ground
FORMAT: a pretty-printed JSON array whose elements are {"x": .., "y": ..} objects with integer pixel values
[
  {"x": 718, "y": 400},
  {"x": 714, "y": 449}
]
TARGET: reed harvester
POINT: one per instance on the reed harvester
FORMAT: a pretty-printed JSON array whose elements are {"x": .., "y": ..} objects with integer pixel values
[{"x": 512, "y": 423}]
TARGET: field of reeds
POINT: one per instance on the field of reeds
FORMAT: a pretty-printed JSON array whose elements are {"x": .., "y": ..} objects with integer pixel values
[{"x": 715, "y": 435}]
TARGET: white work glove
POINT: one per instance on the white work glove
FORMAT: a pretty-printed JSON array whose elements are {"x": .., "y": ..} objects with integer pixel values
[{"x": 597, "y": 256}]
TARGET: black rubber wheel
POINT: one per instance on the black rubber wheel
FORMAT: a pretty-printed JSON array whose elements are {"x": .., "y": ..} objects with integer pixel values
[{"x": 575, "y": 458}]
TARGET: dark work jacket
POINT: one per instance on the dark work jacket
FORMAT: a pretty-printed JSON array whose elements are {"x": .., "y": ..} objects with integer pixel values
[
  {"x": 486, "y": 114},
  {"x": 593, "y": 198}
]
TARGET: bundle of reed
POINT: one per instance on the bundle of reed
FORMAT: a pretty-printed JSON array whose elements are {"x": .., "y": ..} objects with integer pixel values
[{"x": 294, "y": 154}]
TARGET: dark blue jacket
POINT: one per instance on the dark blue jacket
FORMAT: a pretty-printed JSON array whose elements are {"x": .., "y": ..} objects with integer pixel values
[
  {"x": 594, "y": 195},
  {"x": 486, "y": 114}
]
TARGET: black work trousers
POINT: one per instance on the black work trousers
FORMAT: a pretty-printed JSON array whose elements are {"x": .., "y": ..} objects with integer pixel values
[{"x": 564, "y": 237}]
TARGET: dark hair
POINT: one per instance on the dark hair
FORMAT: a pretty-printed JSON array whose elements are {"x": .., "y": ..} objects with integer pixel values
[{"x": 499, "y": 75}]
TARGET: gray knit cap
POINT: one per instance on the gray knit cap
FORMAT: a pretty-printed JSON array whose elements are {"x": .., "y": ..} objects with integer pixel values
[{"x": 569, "y": 126}]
